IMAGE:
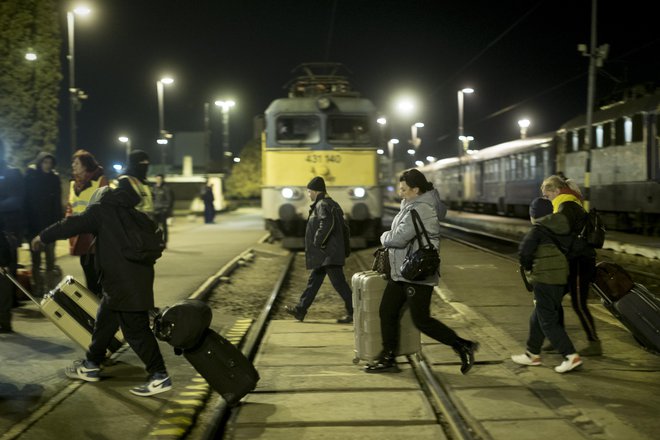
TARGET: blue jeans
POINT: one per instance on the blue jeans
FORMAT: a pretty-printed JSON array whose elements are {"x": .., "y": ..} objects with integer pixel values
[
  {"x": 338, "y": 280},
  {"x": 545, "y": 321}
]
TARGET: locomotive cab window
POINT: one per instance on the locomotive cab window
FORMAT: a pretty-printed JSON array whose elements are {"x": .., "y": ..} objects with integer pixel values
[
  {"x": 348, "y": 129},
  {"x": 298, "y": 129}
]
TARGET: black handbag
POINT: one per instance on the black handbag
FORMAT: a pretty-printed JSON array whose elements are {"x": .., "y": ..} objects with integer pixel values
[
  {"x": 381, "y": 262},
  {"x": 425, "y": 261}
]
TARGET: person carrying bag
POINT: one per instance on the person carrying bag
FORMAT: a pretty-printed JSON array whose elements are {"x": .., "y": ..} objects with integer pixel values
[{"x": 410, "y": 257}]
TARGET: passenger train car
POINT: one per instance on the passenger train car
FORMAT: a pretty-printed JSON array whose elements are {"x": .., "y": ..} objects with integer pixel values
[
  {"x": 323, "y": 128},
  {"x": 625, "y": 167}
]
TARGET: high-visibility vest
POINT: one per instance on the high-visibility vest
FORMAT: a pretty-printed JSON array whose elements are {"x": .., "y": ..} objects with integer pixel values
[
  {"x": 146, "y": 204},
  {"x": 79, "y": 202}
]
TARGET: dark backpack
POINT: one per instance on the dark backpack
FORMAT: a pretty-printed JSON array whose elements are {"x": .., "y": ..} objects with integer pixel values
[
  {"x": 593, "y": 231},
  {"x": 142, "y": 240}
]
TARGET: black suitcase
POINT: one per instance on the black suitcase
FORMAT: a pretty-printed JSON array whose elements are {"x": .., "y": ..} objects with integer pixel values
[
  {"x": 223, "y": 366},
  {"x": 639, "y": 311}
]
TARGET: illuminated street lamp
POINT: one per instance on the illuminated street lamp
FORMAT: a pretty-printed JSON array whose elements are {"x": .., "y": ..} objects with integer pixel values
[
  {"x": 225, "y": 105},
  {"x": 161, "y": 112},
  {"x": 524, "y": 125},
  {"x": 127, "y": 142},
  {"x": 30, "y": 55},
  {"x": 415, "y": 141},
  {"x": 390, "y": 150},
  {"x": 461, "y": 94},
  {"x": 74, "y": 94},
  {"x": 465, "y": 141}
]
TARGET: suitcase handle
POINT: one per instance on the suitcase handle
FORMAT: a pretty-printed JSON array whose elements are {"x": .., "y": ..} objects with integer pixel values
[{"x": 5, "y": 272}]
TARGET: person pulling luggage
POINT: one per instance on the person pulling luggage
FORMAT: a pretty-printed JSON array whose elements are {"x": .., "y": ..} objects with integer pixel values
[
  {"x": 127, "y": 287},
  {"x": 417, "y": 193},
  {"x": 325, "y": 251}
]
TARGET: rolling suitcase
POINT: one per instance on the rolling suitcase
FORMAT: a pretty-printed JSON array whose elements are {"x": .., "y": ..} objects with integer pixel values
[
  {"x": 223, "y": 366},
  {"x": 72, "y": 308},
  {"x": 368, "y": 288},
  {"x": 631, "y": 303}
]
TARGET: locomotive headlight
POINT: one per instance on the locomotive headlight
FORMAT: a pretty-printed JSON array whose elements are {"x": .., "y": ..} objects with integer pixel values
[
  {"x": 358, "y": 192},
  {"x": 288, "y": 193},
  {"x": 323, "y": 103}
]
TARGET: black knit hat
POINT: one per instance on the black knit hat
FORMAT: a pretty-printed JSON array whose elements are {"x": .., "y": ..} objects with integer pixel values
[
  {"x": 317, "y": 184},
  {"x": 540, "y": 207}
]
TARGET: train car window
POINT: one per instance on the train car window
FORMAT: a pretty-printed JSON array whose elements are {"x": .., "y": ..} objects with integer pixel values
[
  {"x": 638, "y": 127},
  {"x": 619, "y": 133},
  {"x": 607, "y": 134},
  {"x": 627, "y": 130},
  {"x": 348, "y": 129},
  {"x": 575, "y": 141},
  {"x": 298, "y": 129},
  {"x": 547, "y": 166}
]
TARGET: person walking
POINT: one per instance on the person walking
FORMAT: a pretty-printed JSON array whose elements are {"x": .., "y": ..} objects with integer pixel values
[
  {"x": 12, "y": 191},
  {"x": 127, "y": 287},
  {"x": 566, "y": 198},
  {"x": 325, "y": 252},
  {"x": 43, "y": 207},
  {"x": 209, "y": 208},
  {"x": 546, "y": 268},
  {"x": 417, "y": 193},
  {"x": 88, "y": 176},
  {"x": 163, "y": 203}
]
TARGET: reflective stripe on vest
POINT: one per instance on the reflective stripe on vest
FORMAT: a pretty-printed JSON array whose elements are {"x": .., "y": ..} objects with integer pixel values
[{"x": 146, "y": 204}]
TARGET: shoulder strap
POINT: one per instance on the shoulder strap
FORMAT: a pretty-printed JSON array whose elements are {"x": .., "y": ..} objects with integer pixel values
[{"x": 419, "y": 226}]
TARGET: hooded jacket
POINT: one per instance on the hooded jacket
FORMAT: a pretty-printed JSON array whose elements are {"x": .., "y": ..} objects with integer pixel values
[
  {"x": 540, "y": 257},
  {"x": 400, "y": 239},
  {"x": 127, "y": 286},
  {"x": 324, "y": 234},
  {"x": 43, "y": 196}
]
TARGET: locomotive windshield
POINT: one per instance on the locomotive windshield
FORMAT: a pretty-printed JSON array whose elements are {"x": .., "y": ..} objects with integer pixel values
[
  {"x": 298, "y": 129},
  {"x": 348, "y": 129}
]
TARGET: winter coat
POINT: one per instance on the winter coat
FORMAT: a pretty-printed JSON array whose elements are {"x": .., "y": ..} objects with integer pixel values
[
  {"x": 163, "y": 199},
  {"x": 127, "y": 286},
  {"x": 400, "y": 239},
  {"x": 540, "y": 257},
  {"x": 12, "y": 193},
  {"x": 577, "y": 217},
  {"x": 80, "y": 192},
  {"x": 43, "y": 197},
  {"x": 324, "y": 234}
]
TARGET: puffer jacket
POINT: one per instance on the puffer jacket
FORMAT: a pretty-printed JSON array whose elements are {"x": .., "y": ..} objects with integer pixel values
[
  {"x": 540, "y": 257},
  {"x": 324, "y": 234},
  {"x": 400, "y": 239}
]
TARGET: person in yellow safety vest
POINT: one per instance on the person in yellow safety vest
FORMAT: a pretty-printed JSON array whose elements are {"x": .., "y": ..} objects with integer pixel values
[
  {"x": 136, "y": 177},
  {"x": 88, "y": 176}
]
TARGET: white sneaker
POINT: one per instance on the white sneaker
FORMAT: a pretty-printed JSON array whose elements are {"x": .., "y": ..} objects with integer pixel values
[
  {"x": 571, "y": 362},
  {"x": 527, "y": 358}
]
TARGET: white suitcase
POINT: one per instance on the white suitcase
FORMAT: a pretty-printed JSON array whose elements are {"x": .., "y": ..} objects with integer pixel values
[{"x": 368, "y": 288}]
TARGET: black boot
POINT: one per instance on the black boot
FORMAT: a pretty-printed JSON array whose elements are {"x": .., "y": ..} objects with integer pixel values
[
  {"x": 465, "y": 349},
  {"x": 295, "y": 312},
  {"x": 386, "y": 363}
]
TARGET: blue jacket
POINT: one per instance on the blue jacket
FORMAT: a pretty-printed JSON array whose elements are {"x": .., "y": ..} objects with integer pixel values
[{"x": 400, "y": 239}]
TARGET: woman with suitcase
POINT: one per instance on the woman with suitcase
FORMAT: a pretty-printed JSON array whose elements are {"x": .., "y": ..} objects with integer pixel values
[{"x": 418, "y": 194}]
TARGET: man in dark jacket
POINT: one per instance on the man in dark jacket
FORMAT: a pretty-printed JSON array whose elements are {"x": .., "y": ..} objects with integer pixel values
[
  {"x": 324, "y": 251},
  {"x": 11, "y": 208},
  {"x": 127, "y": 289},
  {"x": 163, "y": 203},
  {"x": 43, "y": 207}
]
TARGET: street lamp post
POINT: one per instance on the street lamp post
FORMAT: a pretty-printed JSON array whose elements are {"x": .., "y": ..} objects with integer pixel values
[
  {"x": 461, "y": 145},
  {"x": 162, "y": 133},
  {"x": 390, "y": 150},
  {"x": 225, "y": 106},
  {"x": 524, "y": 125},
  {"x": 74, "y": 93},
  {"x": 415, "y": 141},
  {"x": 127, "y": 142}
]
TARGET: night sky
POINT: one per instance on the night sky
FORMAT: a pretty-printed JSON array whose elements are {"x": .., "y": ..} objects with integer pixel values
[{"x": 517, "y": 55}]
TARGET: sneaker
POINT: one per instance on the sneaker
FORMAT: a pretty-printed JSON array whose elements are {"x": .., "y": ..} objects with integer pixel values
[
  {"x": 348, "y": 319},
  {"x": 527, "y": 358},
  {"x": 295, "y": 312},
  {"x": 571, "y": 362},
  {"x": 84, "y": 370},
  {"x": 158, "y": 383}
]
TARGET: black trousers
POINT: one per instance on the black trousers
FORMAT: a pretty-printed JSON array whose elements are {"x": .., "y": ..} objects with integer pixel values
[
  {"x": 161, "y": 221},
  {"x": 581, "y": 273},
  {"x": 138, "y": 334},
  {"x": 338, "y": 280},
  {"x": 91, "y": 275},
  {"x": 546, "y": 320},
  {"x": 418, "y": 296}
]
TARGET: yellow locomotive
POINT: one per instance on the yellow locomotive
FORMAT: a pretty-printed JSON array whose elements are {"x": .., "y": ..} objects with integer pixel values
[{"x": 323, "y": 128}]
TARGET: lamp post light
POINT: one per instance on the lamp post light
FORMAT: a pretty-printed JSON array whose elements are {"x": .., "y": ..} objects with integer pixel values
[
  {"x": 415, "y": 141},
  {"x": 225, "y": 105},
  {"x": 465, "y": 142},
  {"x": 30, "y": 55},
  {"x": 524, "y": 125},
  {"x": 462, "y": 146},
  {"x": 74, "y": 94},
  {"x": 161, "y": 113},
  {"x": 127, "y": 142}
]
